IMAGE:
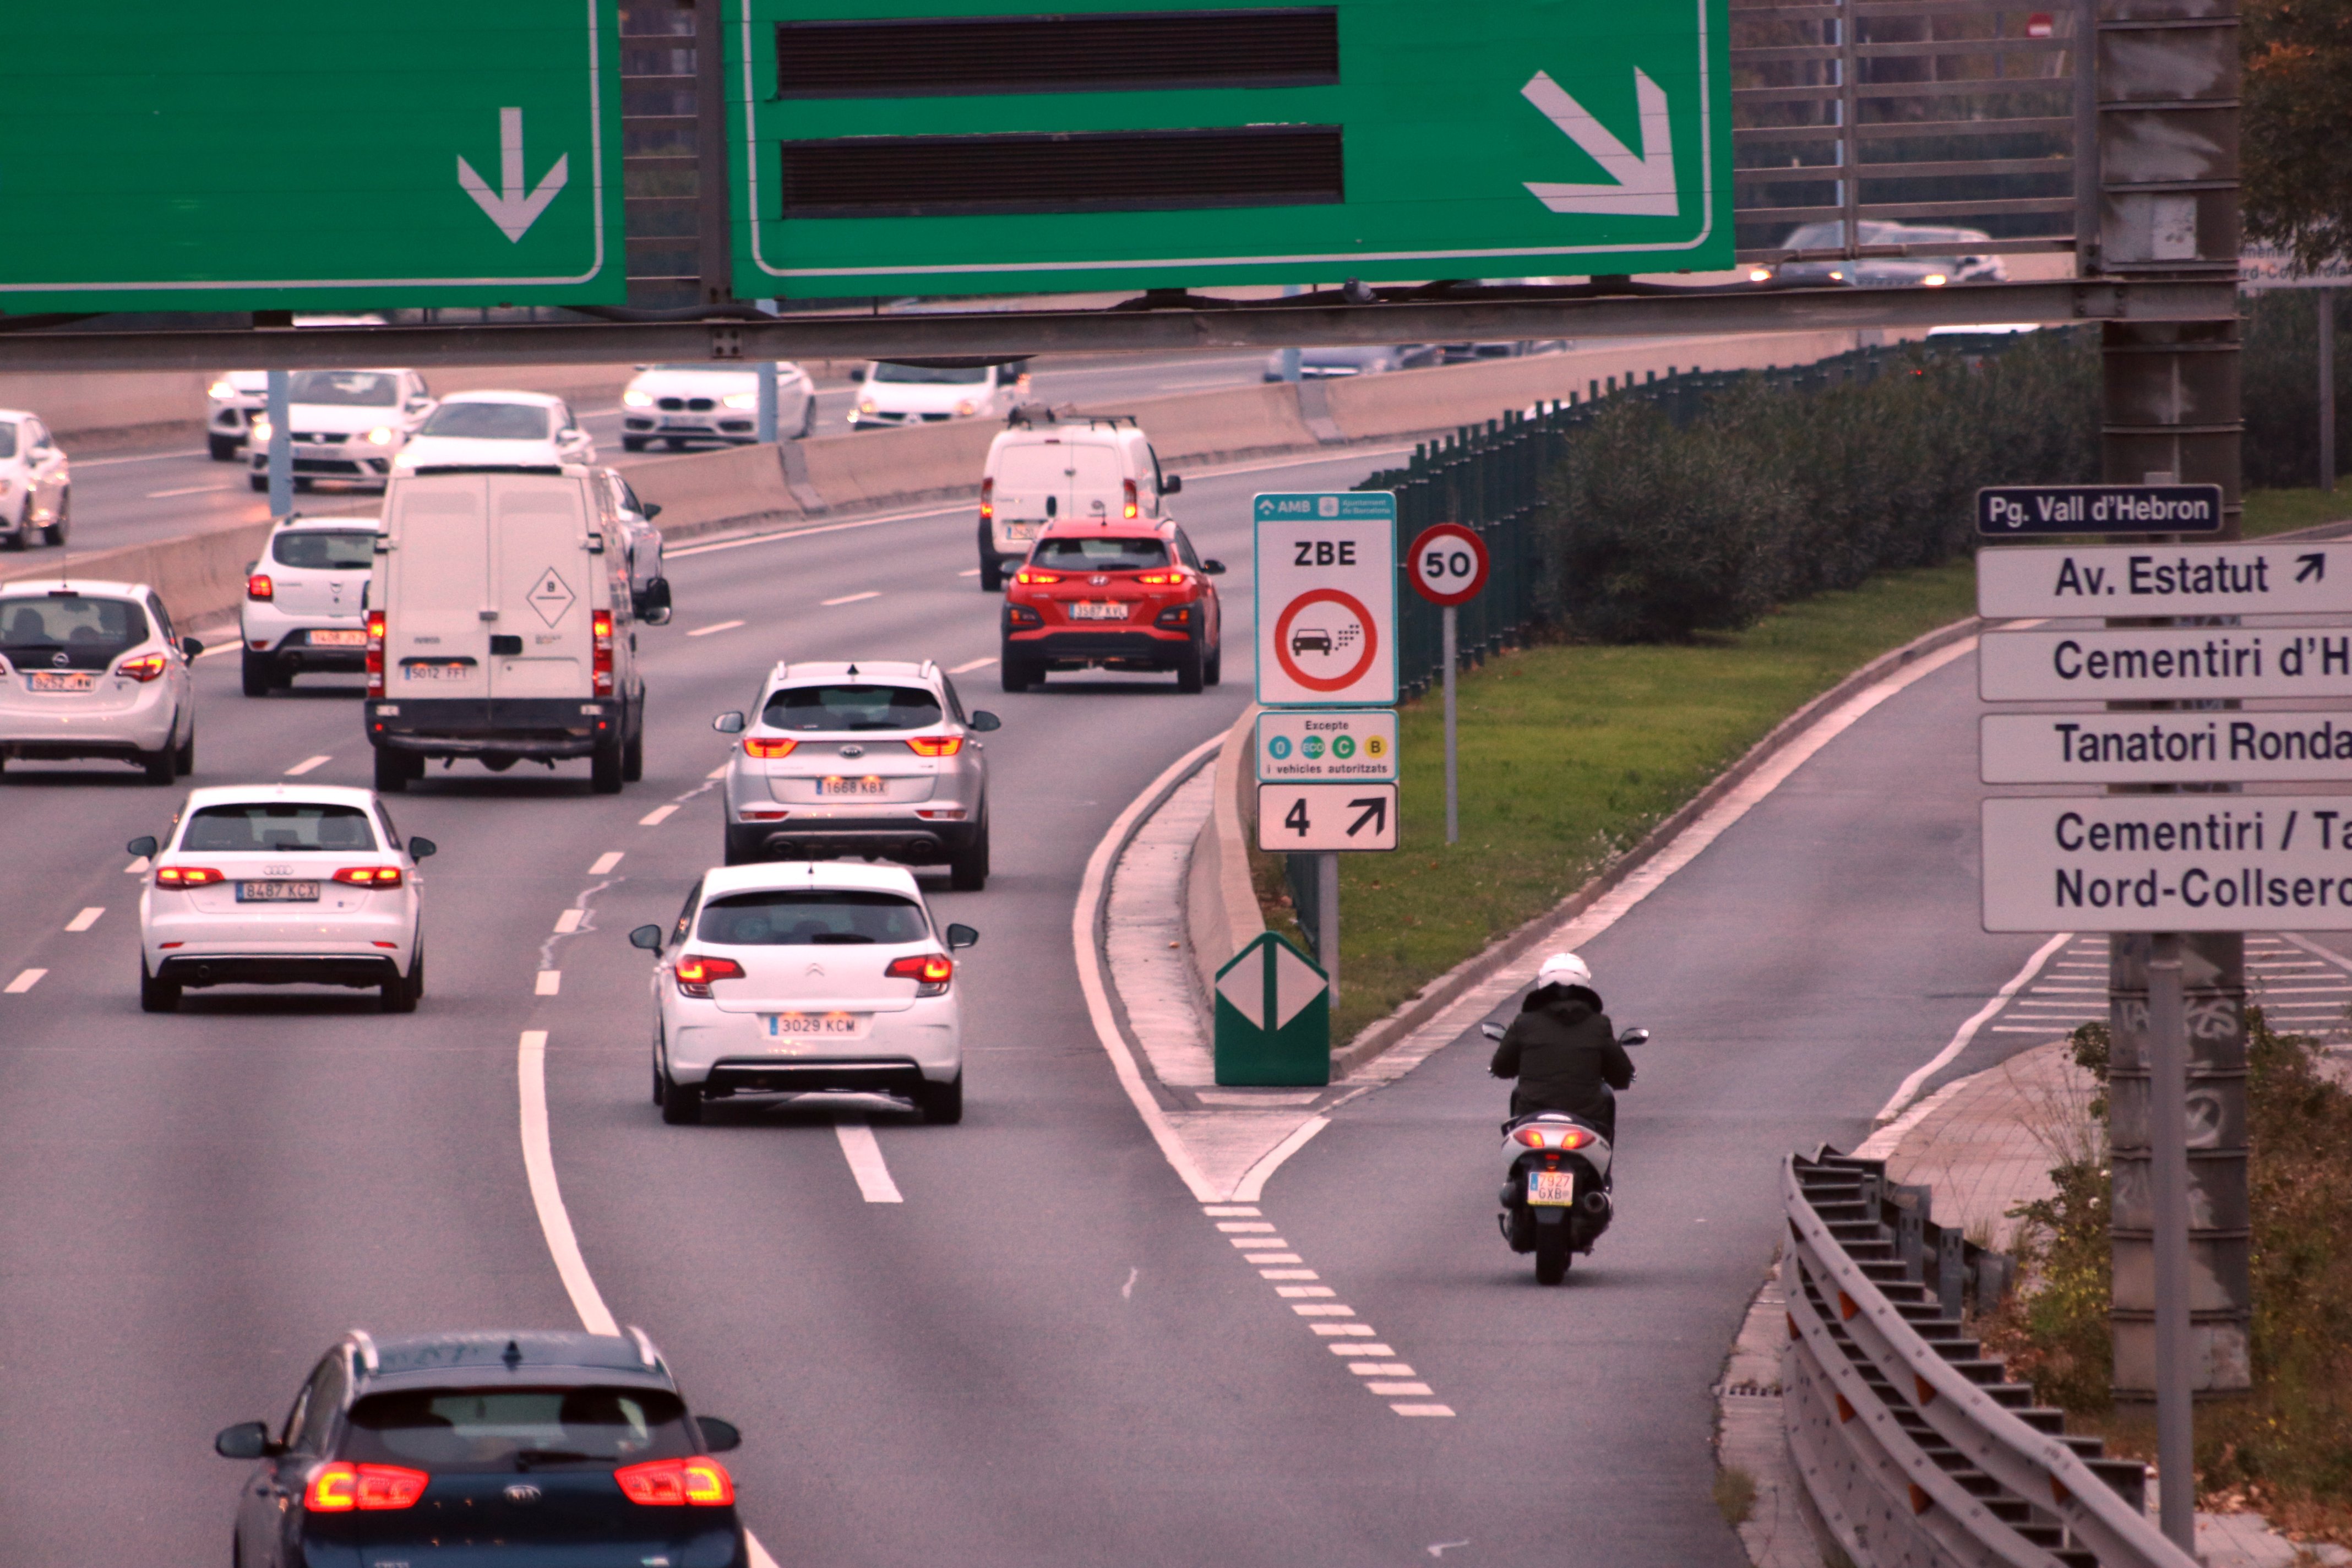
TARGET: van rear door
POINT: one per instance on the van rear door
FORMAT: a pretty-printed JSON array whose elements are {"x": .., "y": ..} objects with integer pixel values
[
  {"x": 539, "y": 586},
  {"x": 436, "y": 587}
]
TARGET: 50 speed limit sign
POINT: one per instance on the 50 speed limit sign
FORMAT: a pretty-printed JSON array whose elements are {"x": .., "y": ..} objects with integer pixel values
[{"x": 1448, "y": 565}]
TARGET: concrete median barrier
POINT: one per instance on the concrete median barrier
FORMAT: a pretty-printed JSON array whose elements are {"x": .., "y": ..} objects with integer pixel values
[{"x": 201, "y": 576}]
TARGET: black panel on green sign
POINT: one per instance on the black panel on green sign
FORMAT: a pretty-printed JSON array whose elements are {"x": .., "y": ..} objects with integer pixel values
[
  {"x": 926, "y": 57},
  {"x": 1120, "y": 171}
]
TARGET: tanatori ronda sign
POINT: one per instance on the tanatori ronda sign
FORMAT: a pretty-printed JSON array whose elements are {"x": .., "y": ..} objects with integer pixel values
[
  {"x": 2164, "y": 747},
  {"x": 2168, "y": 863}
]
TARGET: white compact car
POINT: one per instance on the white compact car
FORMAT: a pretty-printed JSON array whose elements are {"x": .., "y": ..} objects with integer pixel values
[
  {"x": 347, "y": 424},
  {"x": 36, "y": 485},
  {"x": 678, "y": 405},
  {"x": 916, "y": 394},
  {"x": 305, "y": 602},
  {"x": 232, "y": 403},
  {"x": 94, "y": 670},
  {"x": 802, "y": 978},
  {"x": 499, "y": 429},
  {"x": 281, "y": 884}
]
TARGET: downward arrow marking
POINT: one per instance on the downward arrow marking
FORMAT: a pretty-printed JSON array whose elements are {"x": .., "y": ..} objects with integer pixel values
[
  {"x": 509, "y": 207},
  {"x": 1643, "y": 186}
]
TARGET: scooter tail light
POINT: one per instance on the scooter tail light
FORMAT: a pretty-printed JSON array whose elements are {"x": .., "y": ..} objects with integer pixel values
[
  {"x": 699, "y": 1482},
  {"x": 1532, "y": 1137},
  {"x": 340, "y": 1487},
  {"x": 935, "y": 745}
]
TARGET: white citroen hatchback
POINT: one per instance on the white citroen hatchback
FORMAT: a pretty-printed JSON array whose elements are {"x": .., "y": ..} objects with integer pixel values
[
  {"x": 281, "y": 884},
  {"x": 805, "y": 978}
]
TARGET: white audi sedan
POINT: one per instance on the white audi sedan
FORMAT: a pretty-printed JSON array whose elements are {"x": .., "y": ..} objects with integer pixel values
[
  {"x": 91, "y": 668},
  {"x": 806, "y": 978},
  {"x": 281, "y": 884}
]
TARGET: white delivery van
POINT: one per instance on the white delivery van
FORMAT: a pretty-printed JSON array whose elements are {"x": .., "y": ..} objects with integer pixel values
[
  {"x": 1045, "y": 467},
  {"x": 500, "y": 625}
]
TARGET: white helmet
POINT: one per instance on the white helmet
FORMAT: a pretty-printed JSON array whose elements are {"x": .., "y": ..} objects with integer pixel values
[{"x": 1564, "y": 969}]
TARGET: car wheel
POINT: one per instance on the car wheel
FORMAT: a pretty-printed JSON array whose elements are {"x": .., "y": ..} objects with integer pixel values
[
  {"x": 392, "y": 772},
  {"x": 24, "y": 523},
  {"x": 633, "y": 756},
  {"x": 633, "y": 443},
  {"x": 681, "y": 1103},
  {"x": 259, "y": 482},
  {"x": 1017, "y": 673},
  {"x": 223, "y": 448},
  {"x": 942, "y": 1103},
  {"x": 967, "y": 868},
  {"x": 156, "y": 995},
  {"x": 604, "y": 769},
  {"x": 160, "y": 766},
  {"x": 399, "y": 994},
  {"x": 259, "y": 672},
  {"x": 1190, "y": 676},
  {"x": 1212, "y": 672},
  {"x": 302, "y": 487},
  {"x": 991, "y": 576},
  {"x": 55, "y": 532},
  {"x": 185, "y": 759}
]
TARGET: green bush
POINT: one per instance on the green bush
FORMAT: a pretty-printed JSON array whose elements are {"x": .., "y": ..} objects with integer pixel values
[{"x": 2281, "y": 388}]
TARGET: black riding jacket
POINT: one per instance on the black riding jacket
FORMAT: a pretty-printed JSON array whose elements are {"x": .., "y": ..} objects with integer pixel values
[{"x": 1565, "y": 1055}]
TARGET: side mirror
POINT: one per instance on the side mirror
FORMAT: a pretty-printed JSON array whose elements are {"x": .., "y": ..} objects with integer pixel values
[
  {"x": 961, "y": 936},
  {"x": 647, "y": 937},
  {"x": 1172, "y": 485},
  {"x": 719, "y": 1437},
  {"x": 659, "y": 618},
  {"x": 729, "y": 723},
  {"x": 245, "y": 1441},
  {"x": 983, "y": 721},
  {"x": 1213, "y": 568},
  {"x": 649, "y": 510},
  {"x": 422, "y": 848},
  {"x": 190, "y": 646},
  {"x": 141, "y": 846},
  {"x": 1632, "y": 1036},
  {"x": 1492, "y": 1031}
]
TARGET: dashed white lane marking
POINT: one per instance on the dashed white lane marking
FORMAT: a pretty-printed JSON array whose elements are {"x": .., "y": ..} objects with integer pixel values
[
  {"x": 1380, "y": 1369},
  {"x": 23, "y": 983},
  {"x": 656, "y": 816},
  {"x": 851, "y": 598},
  {"x": 966, "y": 572},
  {"x": 863, "y": 1152},
  {"x": 717, "y": 773},
  {"x": 715, "y": 627},
  {"x": 604, "y": 863},
  {"x": 220, "y": 648},
  {"x": 306, "y": 763},
  {"x": 136, "y": 868},
  {"x": 87, "y": 918},
  {"x": 975, "y": 664},
  {"x": 189, "y": 490},
  {"x": 548, "y": 982},
  {"x": 1359, "y": 1349},
  {"x": 569, "y": 921}
]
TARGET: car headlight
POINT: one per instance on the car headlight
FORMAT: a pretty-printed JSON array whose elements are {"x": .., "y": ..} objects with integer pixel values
[
  {"x": 1759, "y": 275},
  {"x": 964, "y": 407},
  {"x": 383, "y": 436},
  {"x": 633, "y": 398},
  {"x": 1935, "y": 280},
  {"x": 220, "y": 390},
  {"x": 741, "y": 400},
  {"x": 866, "y": 406},
  {"x": 260, "y": 429}
]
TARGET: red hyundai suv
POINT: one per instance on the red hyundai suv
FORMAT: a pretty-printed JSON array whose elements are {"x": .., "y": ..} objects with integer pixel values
[{"x": 1112, "y": 595}]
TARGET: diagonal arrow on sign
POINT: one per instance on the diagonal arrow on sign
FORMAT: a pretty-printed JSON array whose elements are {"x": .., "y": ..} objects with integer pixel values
[
  {"x": 1641, "y": 187},
  {"x": 2313, "y": 568},
  {"x": 1375, "y": 810},
  {"x": 509, "y": 207}
]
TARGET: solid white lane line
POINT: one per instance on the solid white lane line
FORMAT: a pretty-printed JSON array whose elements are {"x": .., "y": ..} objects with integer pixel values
[
  {"x": 191, "y": 491},
  {"x": 548, "y": 982},
  {"x": 851, "y": 598},
  {"x": 23, "y": 983},
  {"x": 306, "y": 763},
  {"x": 1252, "y": 1187},
  {"x": 539, "y": 1166},
  {"x": 656, "y": 816},
  {"x": 606, "y": 862},
  {"x": 975, "y": 664},
  {"x": 87, "y": 918},
  {"x": 136, "y": 866},
  {"x": 569, "y": 921},
  {"x": 863, "y": 1152},
  {"x": 1968, "y": 1031},
  {"x": 718, "y": 627}
]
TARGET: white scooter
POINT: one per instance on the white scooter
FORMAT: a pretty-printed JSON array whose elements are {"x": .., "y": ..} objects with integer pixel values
[{"x": 1556, "y": 1195}]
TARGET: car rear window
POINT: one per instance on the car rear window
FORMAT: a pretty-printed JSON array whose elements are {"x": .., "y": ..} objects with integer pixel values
[
  {"x": 1098, "y": 553},
  {"x": 278, "y": 827},
  {"x": 88, "y": 631},
  {"x": 932, "y": 375},
  {"x": 808, "y": 916},
  {"x": 506, "y": 1428},
  {"x": 351, "y": 388},
  {"x": 325, "y": 549},
  {"x": 7, "y": 438},
  {"x": 851, "y": 707},
  {"x": 489, "y": 422}
]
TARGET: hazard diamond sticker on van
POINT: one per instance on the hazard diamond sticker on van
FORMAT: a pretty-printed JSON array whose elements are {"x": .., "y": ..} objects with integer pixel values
[{"x": 551, "y": 596}]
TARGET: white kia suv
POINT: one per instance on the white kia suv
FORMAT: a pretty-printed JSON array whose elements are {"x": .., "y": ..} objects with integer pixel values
[
  {"x": 282, "y": 884},
  {"x": 93, "y": 669},
  {"x": 305, "y": 602}
]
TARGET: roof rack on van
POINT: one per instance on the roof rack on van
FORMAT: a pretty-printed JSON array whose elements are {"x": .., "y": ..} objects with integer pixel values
[
  {"x": 1029, "y": 415},
  {"x": 487, "y": 469}
]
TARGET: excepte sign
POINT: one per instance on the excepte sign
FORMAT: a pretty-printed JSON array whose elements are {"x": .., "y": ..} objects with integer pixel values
[
  {"x": 2004, "y": 510},
  {"x": 1299, "y": 743},
  {"x": 2168, "y": 863},
  {"x": 2136, "y": 664},
  {"x": 2300, "y": 578},
  {"x": 1326, "y": 598},
  {"x": 2164, "y": 747}
]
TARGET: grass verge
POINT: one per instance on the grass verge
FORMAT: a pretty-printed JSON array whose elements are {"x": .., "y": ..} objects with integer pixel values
[{"x": 2278, "y": 511}]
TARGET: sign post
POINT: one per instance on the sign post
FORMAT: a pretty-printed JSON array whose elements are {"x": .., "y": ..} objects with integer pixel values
[{"x": 1449, "y": 567}]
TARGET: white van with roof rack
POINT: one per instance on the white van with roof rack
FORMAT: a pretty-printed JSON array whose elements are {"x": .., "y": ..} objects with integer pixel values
[
  {"x": 502, "y": 626},
  {"x": 1051, "y": 464}
]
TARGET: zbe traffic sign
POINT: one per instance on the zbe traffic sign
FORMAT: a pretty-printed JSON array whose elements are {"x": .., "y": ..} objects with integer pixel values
[
  {"x": 1448, "y": 562},
  {"x": 1326, "y": 594}
]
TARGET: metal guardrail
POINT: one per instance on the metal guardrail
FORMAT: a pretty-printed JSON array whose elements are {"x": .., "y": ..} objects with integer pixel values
[{"x": 1917, "y": 1449}]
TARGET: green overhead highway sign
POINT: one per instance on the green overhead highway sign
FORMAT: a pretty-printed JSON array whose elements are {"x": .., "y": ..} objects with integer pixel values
[
  {"x": 276, "y": 154},
  {"x": 899, "y": 146}
]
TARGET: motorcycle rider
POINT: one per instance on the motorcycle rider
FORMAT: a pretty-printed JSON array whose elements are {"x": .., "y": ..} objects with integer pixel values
[{"x": 1562, "y": 1049}]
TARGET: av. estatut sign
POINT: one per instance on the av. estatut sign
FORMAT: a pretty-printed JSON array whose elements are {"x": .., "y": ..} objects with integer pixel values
[
  {"x": 2168, "y": 863},
  {"x": 276, "y": 154},
  {"x": 2297, "y": 578}
]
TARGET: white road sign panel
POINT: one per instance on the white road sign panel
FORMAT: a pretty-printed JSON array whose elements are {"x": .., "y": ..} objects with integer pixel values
[
  {"x": 1327, "y": 599},
  {"x": 2168, "y": 863},
  {"x": 1302, "y": 744},
  {"x": 2287, "y": 578},
  {"x": 1298, "y": 819},
  {"x": 2123, "y": 664},
  {"x": 2165, "y": 748}
]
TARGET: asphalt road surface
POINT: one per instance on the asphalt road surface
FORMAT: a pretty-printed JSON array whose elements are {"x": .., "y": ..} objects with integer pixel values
[{"x": 1045, "y": 1353}]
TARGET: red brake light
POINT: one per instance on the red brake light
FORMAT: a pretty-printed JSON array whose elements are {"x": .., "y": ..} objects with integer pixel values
[
  {"x": 375, "y": 653},
  {"x": 369, "y": 876},
  {"x": 769, "y": 746},
  {"x": 187, "y": 876},
  {"x": 935, "y": 745},
  {"x": 600, "y": 625},
  {"x": 930, "y": 972},
  {"x": 1161, "y": 579},
  {"x": 1531, "y": 1136},
  {"x": 699, "y": 1482},
  {"x": 259, "y": 587},
  {"x": 147, "y": 667},
  {"x": 1029, "y": 579},
  {"x": 1129, "y": 487},
  {"x": 987, "y": 499},
  {"x": 341, "y": 1487},
  {"x": 696, "y": 970}
]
